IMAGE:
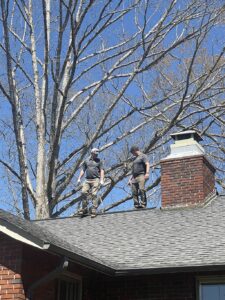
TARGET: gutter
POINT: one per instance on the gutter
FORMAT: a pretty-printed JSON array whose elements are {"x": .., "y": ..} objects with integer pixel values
[
  {"x": 21, "y": 235},
  {"x": 169, "y": 270},
  {"x": 81, "y": 258},
  {"x": 87, "y": 262},
  {"x": 53, "y": 274}
]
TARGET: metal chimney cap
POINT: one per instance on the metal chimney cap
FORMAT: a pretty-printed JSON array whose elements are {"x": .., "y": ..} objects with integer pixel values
[{"x": 182, "y": 135}]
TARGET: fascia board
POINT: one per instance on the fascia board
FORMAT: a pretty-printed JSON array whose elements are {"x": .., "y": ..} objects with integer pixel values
[{"x": 20, "y": 235}]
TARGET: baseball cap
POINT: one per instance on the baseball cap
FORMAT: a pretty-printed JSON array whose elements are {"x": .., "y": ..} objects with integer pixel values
[{"x": 95, "y": 150}]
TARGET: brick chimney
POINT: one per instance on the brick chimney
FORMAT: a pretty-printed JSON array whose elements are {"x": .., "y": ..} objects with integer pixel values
[{"x": 187, "y": 177}]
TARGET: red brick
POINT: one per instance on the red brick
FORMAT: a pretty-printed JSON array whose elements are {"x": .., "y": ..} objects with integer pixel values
[
  {"x": 10, "y": 267},
  {"x": 186, "y": 181}
]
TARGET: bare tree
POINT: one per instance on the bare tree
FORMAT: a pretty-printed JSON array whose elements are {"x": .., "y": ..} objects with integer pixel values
[{"x": 82, "y": 73}]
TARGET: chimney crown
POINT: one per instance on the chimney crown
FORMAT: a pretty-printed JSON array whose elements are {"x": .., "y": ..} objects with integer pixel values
[
  {"x": 186, "y": 144},
  {"x": 186, "y": 135}
]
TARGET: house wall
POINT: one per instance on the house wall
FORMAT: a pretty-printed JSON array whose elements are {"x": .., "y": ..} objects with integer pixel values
[
  {"x": 11, "y": 285},
  {"x": 22, "y": 265},
  {"x": 172, "y": 286},
  {"x": 154, "y": 287},
  {"x": 37, "y": 264}
]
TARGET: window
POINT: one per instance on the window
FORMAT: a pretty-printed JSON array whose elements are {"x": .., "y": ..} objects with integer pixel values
[
  {"x": 69, "y": 289},
  {"x": 212, "y": 288}
]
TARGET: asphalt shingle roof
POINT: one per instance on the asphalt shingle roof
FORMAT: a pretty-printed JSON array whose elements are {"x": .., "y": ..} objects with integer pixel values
[
  {"x": 149, "y": 239},
  {"x": 34, "y": 231},
  {"x": 144, "y": 239}
]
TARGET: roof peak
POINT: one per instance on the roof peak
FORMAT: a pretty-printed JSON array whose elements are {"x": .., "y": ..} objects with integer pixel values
[{"x": 99, "y": 214}]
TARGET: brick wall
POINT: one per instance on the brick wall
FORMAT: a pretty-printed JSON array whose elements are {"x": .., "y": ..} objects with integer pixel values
[
  {"x": 11, "y": 286},
  {"x": 186, "y": 181},
  {"x": 156, "y": 287},
  {"x": 21, "y": 266},
  {"x": 37, "y": 264},
  {"x": 208, "y": 178},
  {"x": 171, "y": 286}
]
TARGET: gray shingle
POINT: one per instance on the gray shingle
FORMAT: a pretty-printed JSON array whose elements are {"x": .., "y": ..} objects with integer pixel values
[
  {"x": 141, "y": 239},
  {"x": 33, "y": 231},
  {"x": 149, "y": 239}
]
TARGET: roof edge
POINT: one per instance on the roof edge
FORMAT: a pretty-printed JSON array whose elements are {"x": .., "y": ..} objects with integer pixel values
[
  {"x": 20, "y": 235},
  {"x": 84, "y": 261},
  {"x": 135, "y": 272},
  {"x": 16, "y": 233}
]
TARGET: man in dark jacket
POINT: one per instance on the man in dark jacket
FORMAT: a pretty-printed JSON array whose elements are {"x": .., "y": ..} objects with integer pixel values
[{"x": 140, "y": 173}]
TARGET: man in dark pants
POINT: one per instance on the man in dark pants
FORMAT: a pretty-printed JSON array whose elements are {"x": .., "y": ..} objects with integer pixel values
[
  {"x": 93, "y": 168},
  {"x": 140, "y": 173}
]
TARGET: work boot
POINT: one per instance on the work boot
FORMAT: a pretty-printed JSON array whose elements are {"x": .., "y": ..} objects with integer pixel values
[
  {"x": 136, "y": 202},
  {"x": 93, "y": 212},
  {"x": 82, "y": 212}
]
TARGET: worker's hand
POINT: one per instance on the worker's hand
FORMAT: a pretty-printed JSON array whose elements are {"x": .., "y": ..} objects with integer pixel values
[
  {"x": 78, "y": 181},
  {"x": 146, "y": 176},
  {"x": 129, "y": 182},
  {"x": 102, "y": 182}
]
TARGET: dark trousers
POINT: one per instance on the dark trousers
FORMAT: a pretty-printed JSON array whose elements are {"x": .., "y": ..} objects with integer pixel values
[{"x": 139, "y": 187}]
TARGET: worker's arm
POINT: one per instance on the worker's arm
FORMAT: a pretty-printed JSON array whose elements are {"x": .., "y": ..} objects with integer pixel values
[
  {"x": 80, "y": 176},
  {"x": 147, "y": 170},
  {"x": 102, "y": 176},
  {"x": 130, "y": 180}
]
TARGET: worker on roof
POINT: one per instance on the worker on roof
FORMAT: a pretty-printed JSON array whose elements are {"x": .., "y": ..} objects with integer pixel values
[
  {"x": 140, "y": 173},
  {"x": 94, "y": 171}
]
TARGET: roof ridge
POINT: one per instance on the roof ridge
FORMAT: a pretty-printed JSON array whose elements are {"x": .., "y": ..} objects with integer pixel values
[{"x": 98, "y": 214}]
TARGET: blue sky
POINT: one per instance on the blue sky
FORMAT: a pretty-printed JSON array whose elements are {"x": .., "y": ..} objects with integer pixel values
[{"x": 150, "y": 79}]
